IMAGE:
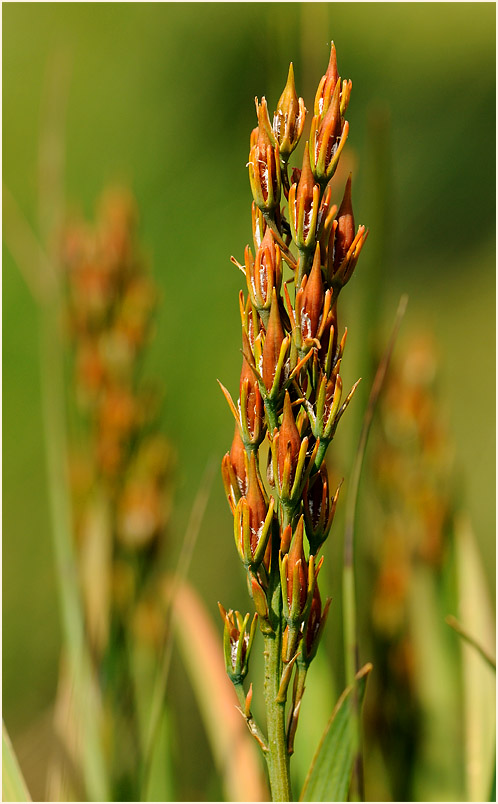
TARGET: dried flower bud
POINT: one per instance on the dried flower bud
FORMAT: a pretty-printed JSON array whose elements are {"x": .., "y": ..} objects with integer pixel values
[
  {"x": 249, "y": 320},
  {"x": 233, "y": 471},
  {"x": 296, "y": 572},
  {"x": 264, "y": 273},
  {"x": 345, "y": 232},
  {"x": 264, "y": 166},
  {"x": 304, "y": 200},
  {"x": 288, "y": 120},
  {"x": 248, "y": 413},
  {"x": 289, "y": 444},
  {"x": 237, "y": 643},
  {"x": 343, "y": 256},
  {"x": 312, "y": 300},
  {"x": 314, "y": 626},
  {"x": 327, "y": 139},
  {"x": 259, "y": 599},
  {"x": 252, "y": 520},
  {"x": 256, "y": 501},
  {"x": 238, "y": 461},
  {"x": 250, "y": 403},
  {"x": 318, "y": 510}
]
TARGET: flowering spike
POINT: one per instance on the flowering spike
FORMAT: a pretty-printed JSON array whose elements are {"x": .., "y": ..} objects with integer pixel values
[{"x": 291, "y": 389}]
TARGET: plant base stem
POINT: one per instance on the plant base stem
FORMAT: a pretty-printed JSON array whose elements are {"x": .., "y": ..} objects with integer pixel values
[{"x": 278, "y": 756}]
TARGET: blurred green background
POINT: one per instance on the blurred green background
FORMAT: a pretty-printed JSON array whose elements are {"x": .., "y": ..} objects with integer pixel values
[{"x": 161, "y": 98}]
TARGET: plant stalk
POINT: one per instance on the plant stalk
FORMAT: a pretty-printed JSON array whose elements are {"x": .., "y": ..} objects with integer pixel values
[{"x": 277, "y": 756}]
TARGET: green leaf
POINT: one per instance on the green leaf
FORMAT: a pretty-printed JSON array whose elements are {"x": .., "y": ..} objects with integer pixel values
[
  {"x": 329, "y": 775},
  {"x": 13, "y": 784}
]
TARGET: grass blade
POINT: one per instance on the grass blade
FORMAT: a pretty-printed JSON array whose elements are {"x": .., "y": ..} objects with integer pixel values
[
  {"x": 13, "y": 785},
  {"x": 330, "y": 772}
]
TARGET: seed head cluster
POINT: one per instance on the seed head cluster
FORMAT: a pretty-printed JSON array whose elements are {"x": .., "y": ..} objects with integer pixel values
[{"x": 290, "y": 393}]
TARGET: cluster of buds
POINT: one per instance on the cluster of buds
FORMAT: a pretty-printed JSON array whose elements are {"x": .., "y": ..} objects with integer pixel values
[
  {"x": 110, "y": 303},
  {"x": 290, "y": 392}
]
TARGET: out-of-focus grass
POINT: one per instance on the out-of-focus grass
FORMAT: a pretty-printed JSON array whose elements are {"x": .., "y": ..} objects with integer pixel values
[{"x": 162, "y": 95}]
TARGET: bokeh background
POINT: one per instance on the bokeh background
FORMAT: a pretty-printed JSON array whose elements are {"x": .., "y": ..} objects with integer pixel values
[{"x": 161, "y": 98}]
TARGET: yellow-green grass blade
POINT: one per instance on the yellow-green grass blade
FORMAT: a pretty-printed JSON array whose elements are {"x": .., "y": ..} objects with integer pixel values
[
  {"x": 479, "y": 679},
  {"x": 329, "y": 776},
  {"x": 13, "y": 785}
]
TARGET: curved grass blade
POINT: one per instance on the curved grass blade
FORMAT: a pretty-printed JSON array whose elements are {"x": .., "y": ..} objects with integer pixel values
[
  {"x": 470, "y": 640},
  {"x": 13, "y": 785},
  {"x": 330, "y": 772}
]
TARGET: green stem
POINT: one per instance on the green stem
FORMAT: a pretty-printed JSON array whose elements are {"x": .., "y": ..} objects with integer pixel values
[
  {"x": 271, "y": 415},
  {"x": 278, "y": 756},
  {"x": 251, "y": 723},
  {"x": 305, "y": 258}
]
